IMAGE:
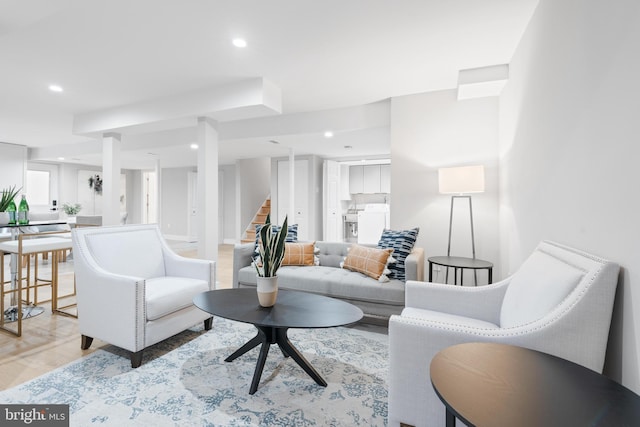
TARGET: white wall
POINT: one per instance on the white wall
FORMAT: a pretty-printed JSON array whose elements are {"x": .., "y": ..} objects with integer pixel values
[
  {"x": 569, "y": 150},
  {"x": 13, "y": 165},
  {"x": 229, "y": 203},
  {"x": 433, "y": 130},
  {"x": 68, "y": 184},
  {"x": 134, "y": 195},
  {"x": 174, "y": 201},
  {"x": 316, "y": 197},
  {"x": 253, "y": 185}
]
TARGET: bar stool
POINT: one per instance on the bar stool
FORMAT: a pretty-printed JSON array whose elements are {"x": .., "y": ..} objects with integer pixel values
[
  {"x": 27, "y": 244},
  {"x": 62, "y": 231}
]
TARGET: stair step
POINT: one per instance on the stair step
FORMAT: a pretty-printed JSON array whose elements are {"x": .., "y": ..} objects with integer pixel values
[{"x": 259, "y": 219}]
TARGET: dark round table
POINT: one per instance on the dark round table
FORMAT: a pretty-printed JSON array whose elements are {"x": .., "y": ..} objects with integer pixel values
[
  {"x": 460, "y": 264},
  {"x": 498, "y": 385},
  {"x": 292, "y": 310}
]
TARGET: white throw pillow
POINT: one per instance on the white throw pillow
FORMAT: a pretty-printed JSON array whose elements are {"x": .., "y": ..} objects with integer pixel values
[{"x": 540, "y": 284}]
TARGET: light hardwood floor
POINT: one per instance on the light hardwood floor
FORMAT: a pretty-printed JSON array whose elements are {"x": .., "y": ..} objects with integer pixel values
[{"x": 49, "y": 341}]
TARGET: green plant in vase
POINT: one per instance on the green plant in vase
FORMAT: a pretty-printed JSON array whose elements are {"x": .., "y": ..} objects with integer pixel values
[
  {"x": 271, "y": 247},
  {"x": 71, "y": 209},
  {"x": 8, "y": 194},
  {"x": 8, "y": 205}
]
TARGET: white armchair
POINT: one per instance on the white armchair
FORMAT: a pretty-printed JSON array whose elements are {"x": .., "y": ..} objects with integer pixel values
[
  {"x": 132, "y": 290},
  {"x": 560, "y": 302}
]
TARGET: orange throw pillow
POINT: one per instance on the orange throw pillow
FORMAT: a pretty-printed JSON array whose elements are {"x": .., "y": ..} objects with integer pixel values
[
  {"x": 369, "y": 261},
  {"x": 299, "y": 254}
]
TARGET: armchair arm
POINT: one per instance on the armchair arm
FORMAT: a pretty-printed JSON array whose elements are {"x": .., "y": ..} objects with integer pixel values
[
  {"x": 242, "y": 257},
  {"x": 110, "y": 306},
  {"x": 414, "y": 342},
  {"x": 414, "y": 264},
  {"x": 412, "y": 345},
  {"x": 483, "y": 302},
  {"x": 179, "y": 266}
]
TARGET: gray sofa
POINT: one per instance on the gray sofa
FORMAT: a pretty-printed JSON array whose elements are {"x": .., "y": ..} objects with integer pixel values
[{"x": 377, "y": 300}]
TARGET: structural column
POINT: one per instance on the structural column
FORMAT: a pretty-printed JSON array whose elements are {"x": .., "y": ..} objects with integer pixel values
[
  {"x": 207, "y": 191},
  {"x": 158, "y": 204},
  {"x": 111, "y": 147},
  {"x": 292, "y": 187}
]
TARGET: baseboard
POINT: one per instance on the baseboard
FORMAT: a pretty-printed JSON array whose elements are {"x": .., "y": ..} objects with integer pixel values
[{"x": 229, "y": 241}]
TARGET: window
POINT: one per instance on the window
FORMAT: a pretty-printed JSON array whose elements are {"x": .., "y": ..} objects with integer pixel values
[{"x": 38, "y": 188}]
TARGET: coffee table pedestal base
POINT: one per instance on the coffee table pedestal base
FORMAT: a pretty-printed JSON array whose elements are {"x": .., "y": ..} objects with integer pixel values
[{"x": 265, "y": 337}]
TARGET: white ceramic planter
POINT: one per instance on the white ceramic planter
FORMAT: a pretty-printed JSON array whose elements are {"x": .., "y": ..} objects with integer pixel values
[{"x": 267, "y": 288}]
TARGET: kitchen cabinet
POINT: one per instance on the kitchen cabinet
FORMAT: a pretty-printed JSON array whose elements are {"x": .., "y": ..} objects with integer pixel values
[
  {"x": 370, "y": 179},
  {"x": 356, "y": 179}
]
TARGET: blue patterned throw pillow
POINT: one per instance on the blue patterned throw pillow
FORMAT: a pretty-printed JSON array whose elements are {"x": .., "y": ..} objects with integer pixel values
[
  {"x": 402, "y": 243},
  {"x": 292, "y": 236}
]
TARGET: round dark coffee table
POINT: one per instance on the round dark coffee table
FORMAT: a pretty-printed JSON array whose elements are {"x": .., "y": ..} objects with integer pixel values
[
  {"x": 292, "y": 310},
  {"x": 498, "y": 385}
]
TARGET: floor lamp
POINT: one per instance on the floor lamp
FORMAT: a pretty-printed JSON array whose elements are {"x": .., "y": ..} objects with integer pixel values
[{"x": 461, "y": 181}]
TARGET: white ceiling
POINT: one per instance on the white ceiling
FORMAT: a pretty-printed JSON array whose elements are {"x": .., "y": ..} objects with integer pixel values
[{"x": 323, "y": 55}]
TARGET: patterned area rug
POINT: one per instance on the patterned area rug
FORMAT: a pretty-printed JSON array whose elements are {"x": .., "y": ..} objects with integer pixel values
[{"x": 184, "y": 381}]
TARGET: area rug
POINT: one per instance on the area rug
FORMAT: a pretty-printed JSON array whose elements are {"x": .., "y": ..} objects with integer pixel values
[{"x": 184, "y": 381}]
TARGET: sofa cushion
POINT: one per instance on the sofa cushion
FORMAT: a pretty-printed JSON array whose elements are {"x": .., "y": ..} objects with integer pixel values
[
  {"x": 333, "y": 282},
  {"x": 331, "y": 254},
  {"x": 539, "y": 285},
  {"x": 299, "y": 254},
  {"x": 369, "y": 261},
  {"x": 165, "y": 295},
  {"x": 402, "y": 243}
]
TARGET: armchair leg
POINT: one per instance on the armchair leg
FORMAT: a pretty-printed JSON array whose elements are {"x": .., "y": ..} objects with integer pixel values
[
  {"x": 208, "y": 323},
  {"x": 86, "y": 342},
  {"x": 136, "y": 359}
]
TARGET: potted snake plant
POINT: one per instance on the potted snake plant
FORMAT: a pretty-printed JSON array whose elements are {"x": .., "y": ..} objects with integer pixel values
[
  {"x": 8, "y": 194},
  {"x": 271, "y": 248}
]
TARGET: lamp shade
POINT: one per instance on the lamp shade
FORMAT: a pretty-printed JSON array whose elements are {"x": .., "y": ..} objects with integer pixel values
[{"x": 462, "y": 179}]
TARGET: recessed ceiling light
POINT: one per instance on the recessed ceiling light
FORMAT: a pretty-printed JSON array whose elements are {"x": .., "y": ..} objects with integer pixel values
[
  {"x": 328, "y": 134},
  {"x": 363, "y": 161},
  {"x": 55, "y": 88},
  {"x": 194, "y": 146},
  {"x": 60, "y": 158},
  {"x": 239, "y": 42},
  {"x": 273, "y": 141},
  {"x": 348, "y": 147}
]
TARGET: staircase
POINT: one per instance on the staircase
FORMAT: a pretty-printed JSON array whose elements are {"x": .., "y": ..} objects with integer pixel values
[{"x": 258, "y": 219}]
